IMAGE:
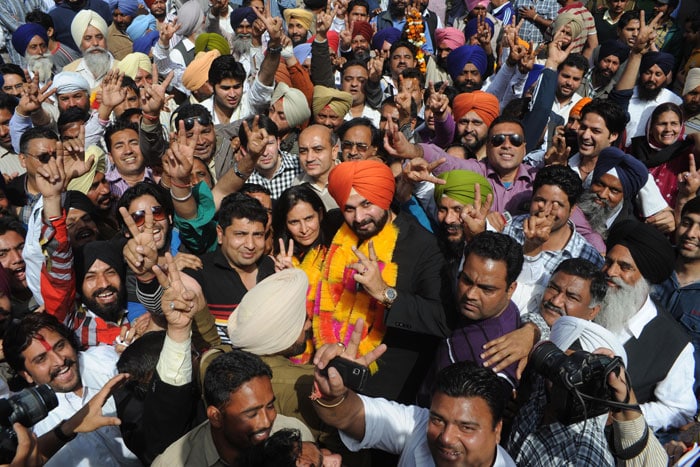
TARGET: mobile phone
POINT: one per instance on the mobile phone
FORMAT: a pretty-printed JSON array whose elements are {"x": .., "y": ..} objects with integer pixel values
[{"x": 354, "y": 375}]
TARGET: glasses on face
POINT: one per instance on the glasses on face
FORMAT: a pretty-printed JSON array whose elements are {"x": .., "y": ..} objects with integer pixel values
[
  {"x": 515, "y": 139},
  {"x": 139, "y": 217},
  {"x": 348, "y": 145},
  {"x": 44, "y": 157}
]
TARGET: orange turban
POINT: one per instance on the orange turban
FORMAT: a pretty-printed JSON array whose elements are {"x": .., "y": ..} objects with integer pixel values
[
  {"x": 576, "y": 109},
  {"x": 484, "y": 104},
  {"x": 371, "y": 179}
]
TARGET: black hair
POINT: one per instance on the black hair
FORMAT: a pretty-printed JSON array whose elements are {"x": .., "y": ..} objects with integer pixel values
[
  {"x": 575, "y": 61},
  {"x": 69, "y": 116},
  {"x": 360, "y": 3},
  {"x": 287, "y": 200},
  {"x": 226, "y": 67},
  {"x": 19, "y": 335},
  {"x": 41, "y": 18},
  {"x": 414, "y": 73},
  {"x": 128, "y": 82},
  {"x": 188, "y": 110},
  {"x": 281, "y": 449},
  {"x": 584, "y": 269},
  {"x": 466, "y": 379},
  {"x": 263, "y": 122},
  {"x": 403, "y": 43},
  {"x": 506, "y": 119},
  {"x": 228, "y": 372},
  {"x": 614, "y": 116},
  {"x": 12, "y": 224},
  {"x": 626, "y": 18},
  {"x": 240, "y": 206},
  {"x": 517, "y": 108},
  {"x": 361, "y": 121},
  {"x": 691, "y": 207},
  {"x": 139, "y": 360},
  {"x": 128, "y": 114},
  {"x": 161, "y": 196},
  {"x": 561, "y": 176},
  {"x": 116, "y": 127},
  {"x": 498, "y": 247},
  {"x": 693, "y": 21},
  {"x": 37, "y": 132},
  {"x": 249, "y": 188},
  {"x": 12, "y": 69},
  {"x": 8, "y": 102},
  {"x": 666, "y": 107},
  {"x": 354, "y": 62}
]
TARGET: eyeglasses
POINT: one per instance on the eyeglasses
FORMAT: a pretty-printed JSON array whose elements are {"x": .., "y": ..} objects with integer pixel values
[
  {"x": 515, "y": 139},
  {"x": 139, "y": 217},
  {"x": 44, "y": 157},
  {"x": 203, "y": 120},
  {"x": 348, "y": 145}
]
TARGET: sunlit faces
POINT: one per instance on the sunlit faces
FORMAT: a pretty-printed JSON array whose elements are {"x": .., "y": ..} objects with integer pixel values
[
  {"x": 93, "y": 38},
  {"x": 593, "y": 135},
  {"x": 228, "y": 94},
  {"x": 329, "y": 118},
  {"x": 242, "y": 243},
  {"x": 462, "y": 432},
  {"x": 102, "y": 291},
  {"x": 666, "y": 128},
  {"x": 567, "y": 295},
  {"x": 507, "y": 157},
  {"x": 358, "y": 13},
  {"x": 276, "y": 114},
  {"x": 449, "y": 212},
  {"x": 269, "y": 161},
  {"x": 200, "y": 172},
  {"x": 470, "y": 79},
  {"x": 629, "y": 33},
  {"x": 11, "y": 246},
  {"x": 317, "y": 153},
  {"x": 81, "y": 228},
  {"x": 99, "y": 192},
  {"x": 400, "y": 59},
  {"x": 51, "y": 359},
  {"x": 37, "y": 149},
  {"x": 360, "y": 46},
  {"x": 125, "y": 152},
  {"x": 364, "y": 218},
  {"x": 608, "y": 66},
  {"x": 296, "y": 31},
  {"x": 472, "y": 131},
  {"x": 304, "y": 224},
  {"x": 354, "y": 79},
  {"x": 357, "y": 143},
  {"x": 653, "y": 78},
  {"x": 36, "y": 46},
  {"x": 206, "y": 143},
  {"x": 143, "y": 77},
  {"x": 161, "y": 228},
  {"x": 688, "y": 236},
  {"x": 568, "y": 81},
  {"x": 389, "y": 113},
  {"x": 482, "y": 291},
  {"x": 554, "y": 198},
  {"x": 78, "y": 99},
  {"x": 608, "y": 190},
  {"x": 13, "y": 84},
  {"x": 620, "y": 264}
]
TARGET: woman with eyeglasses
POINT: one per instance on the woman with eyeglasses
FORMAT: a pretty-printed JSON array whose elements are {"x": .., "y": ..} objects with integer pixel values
[{"x": 303, "y": 232}]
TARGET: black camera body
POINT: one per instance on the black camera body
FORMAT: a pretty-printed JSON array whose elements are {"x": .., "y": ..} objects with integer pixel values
[
  {"x": 583, "y": 376},
  {"x": 27, "y": 407}
]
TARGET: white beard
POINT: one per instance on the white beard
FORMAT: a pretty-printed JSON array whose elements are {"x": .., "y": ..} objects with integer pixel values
[
  {"x": 240, "y": 47},
  {"x": 40, "y": 65},
  {"x": 97, "y": 63},
  {"x": 619, "y": 305}
]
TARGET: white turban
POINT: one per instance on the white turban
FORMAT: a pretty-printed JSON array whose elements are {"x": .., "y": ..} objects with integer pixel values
[
  {"x": 69, "y": 81},
  {"x": 692, "y": 80},
  {"x": 271, "y": 315},
  {"x": 591, "y": 336},
  {"x": 81, "y": 22},
  {"x": 296, "y": 107}
]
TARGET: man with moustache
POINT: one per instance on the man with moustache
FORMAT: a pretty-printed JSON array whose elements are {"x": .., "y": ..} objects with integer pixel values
[
  {"x": 638, "y": 256},
  {"x": 298, "y": 21},
  {"x": 89, "y": 31},
  {"x": 468, "y": 66},
  {"x": 12, "y": 236},
  {"x": 31, "y": 42},
  {"x": 473, "y": 114},
  {"x": 242, "y": 19},
  {"x": 448, "y": 39},
  {"x": 691, "y": 102},
  {"x": 120, "y": 44},
  {"x": 359, "y": 139},
  {"x": 569, "y": 78},
  {"x": 599, "y": 81},
  {"x": 10, "y": 166},
  {"x": 65, "y": 12},
  {"x": 44, "y": 351},
  {"x": 354, "y": 81}
]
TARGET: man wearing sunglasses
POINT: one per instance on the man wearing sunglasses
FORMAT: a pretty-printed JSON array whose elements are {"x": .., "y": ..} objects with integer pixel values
[{"x": 359, "y": 139}]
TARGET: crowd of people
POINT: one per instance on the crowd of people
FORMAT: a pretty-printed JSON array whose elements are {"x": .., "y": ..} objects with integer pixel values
[{"x": 351, "y": 232}]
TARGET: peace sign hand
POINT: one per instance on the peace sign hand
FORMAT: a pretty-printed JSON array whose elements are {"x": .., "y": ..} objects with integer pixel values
[
  {"x": 179, "y": 158},
  {"x": 182, "y": 297},
  {"x": 473, "y": 217},
  {"x": 141, "y": 251},
  {"x": 324, "y": 19},
  {"x": 167, "y": 32},
  {"x": 527, "y": 61},
  {"x": 689, "y": 182},
  {"x": 257, "y": 139},
  {"x": 153, "y": 96},
  {"x": 438, "y": 102},
  {"x": 273, "y": 26},
  {"x": 537, "y": 229},
  {"x": 375, "y": 67},
  {"x": 367, "y": 273},
  {"x": 284, "y": 259},
  {"x": 73, "y": 152},
  {"x": 419, "y": 170}
]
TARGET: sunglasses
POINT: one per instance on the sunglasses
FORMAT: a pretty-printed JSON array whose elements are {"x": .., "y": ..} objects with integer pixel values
[
  {"x": 44, "y": 157},
  {"x": 515, "y": 139},
  {"x": 348, "y": 145},
  {"x": 139, "y": 217},
  {"x": 203, "y": 120}
]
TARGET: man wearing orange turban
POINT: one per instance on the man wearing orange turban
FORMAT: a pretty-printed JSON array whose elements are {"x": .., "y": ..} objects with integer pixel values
[
  {"x": 473, "y": 113},
  {"x": 385, "y": 268}
]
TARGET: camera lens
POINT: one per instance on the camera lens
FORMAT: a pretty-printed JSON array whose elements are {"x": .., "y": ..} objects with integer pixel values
[
  {"x": 547, "y": 358},
  {"x": 33, "y": 405}
]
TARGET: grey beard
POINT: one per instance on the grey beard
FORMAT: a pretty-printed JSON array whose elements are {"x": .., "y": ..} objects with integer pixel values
[
  {"x": 619, "y": 305},
  {"x": 597, "y": 215},
  {"x": 98, "y": 64},
  {"x": 241, "y": 46},
  {"x": 40, "y": 65}
]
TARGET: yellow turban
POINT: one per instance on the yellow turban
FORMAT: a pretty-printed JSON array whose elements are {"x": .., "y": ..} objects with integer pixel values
[
  {"x": 197, "y": 72},
  {"x": 305, "y": 17},
  {"x": 132, "y": 63},
  {"x": 339, "y": 101},
  {"x": 84, "y": 182},
  {"x": 81, "y": 22}
]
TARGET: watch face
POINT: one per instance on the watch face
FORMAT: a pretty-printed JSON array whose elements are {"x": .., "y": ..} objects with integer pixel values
[{"x": 390, "y": 294}]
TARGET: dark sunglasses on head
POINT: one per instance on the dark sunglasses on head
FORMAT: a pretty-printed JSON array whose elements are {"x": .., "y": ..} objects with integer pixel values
[
  {"x": 515, "y": 139},
  {"x": 139, "y": 217},
  {"x": 203, "y": 120}
]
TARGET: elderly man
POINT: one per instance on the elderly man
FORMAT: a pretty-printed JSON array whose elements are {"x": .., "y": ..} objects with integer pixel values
[
  {"x": 120, "y": 44},
  {"x": 638, "y": 255},
  {"x": 89, "y": 31},
  {"x": 329, "y": 106},
  {"x": 289, "y": 109},
  {"x": 318, "y": 154},
  {"x": 393, "y": 260},
  {"x": 242, "y": 47},
  {"x": 360, "y": 39},
  {"x": 467, "y": 66},
  {"x": 359, "y": 139},
  {"x": 138, "y": 67},
  {"x": 65, "y": 12},
  {"x": 31, "y": 41},
  {"x": 691, "y": 102},
  {"x": 298, "y": 21},
  {"x": 448, "y": 39}
]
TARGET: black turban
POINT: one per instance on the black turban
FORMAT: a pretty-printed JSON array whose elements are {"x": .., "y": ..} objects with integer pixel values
[
  {"x": 614, "y": 47},
  {"x": 78, "y": 200},
  {"x": 632, "y": 173},
  {"x": 651, "y": 251},
  {"x": 664, "y": 60},
  {"x": 107, "y": 252}
]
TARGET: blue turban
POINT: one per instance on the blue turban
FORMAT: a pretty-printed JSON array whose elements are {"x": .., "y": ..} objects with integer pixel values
[
  {"x": 472, "y": 25},
  {"x": 535, "y": 73},
  {"x": 389, "y": 35},
  {"x": 664, "y": 60},
  {"x": 140, "y": 25},
  {"x": 25, "y": 33},
  {"x": 145, "y": 43},
  {"x": 241, "y": 13},
  {"x": 128, "y": 7},
  {"x": 614, "y": 47},
  {"x": 632, "y": 173},
  {"x": 302, "y": 52},
  {"x": 459, "y": 57}
]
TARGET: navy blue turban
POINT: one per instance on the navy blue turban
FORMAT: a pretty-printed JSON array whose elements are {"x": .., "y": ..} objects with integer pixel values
[
  {"x": 241, "y": 13},
  {"x": 632, "y": 173},
  {"x": 664, "y": 60},
  {"x": 25, "y": 33},
  {"x": 614, "y": 47},
  {"x": 459, "y": 57}
]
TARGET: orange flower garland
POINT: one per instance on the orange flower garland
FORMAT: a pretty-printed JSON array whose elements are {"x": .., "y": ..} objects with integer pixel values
[
  {"x": 415, "y": 32},
  {"x": 339, "y": 301}
]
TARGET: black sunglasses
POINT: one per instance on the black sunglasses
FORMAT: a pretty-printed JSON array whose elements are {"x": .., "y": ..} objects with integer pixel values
[
  {"x": 203, "y": 120},
  {"x": 139, "y": 217},
  {"x": 44, "y": 157},
  {"x": 515, "y": 139}
]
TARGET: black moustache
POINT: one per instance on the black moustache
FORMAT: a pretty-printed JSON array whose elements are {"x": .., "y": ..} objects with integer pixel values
[
  {"x": 66, "y": 363},
  {"x": 549, "y": 306}
]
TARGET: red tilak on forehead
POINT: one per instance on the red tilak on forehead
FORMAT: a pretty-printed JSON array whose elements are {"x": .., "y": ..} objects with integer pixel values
[{"x": 43, "y": 342}]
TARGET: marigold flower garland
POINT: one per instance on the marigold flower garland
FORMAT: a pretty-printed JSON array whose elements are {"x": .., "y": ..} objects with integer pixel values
[
  {"x": 339, "y": 301},
  {"x": 415, "y": 33}
]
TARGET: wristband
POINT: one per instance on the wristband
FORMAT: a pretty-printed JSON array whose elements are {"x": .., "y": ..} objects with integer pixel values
[
  {"x": 534, "y": 18},
  {"x": 150, "y": 118},
  {"x": 62, "y": 436},
  {"x": 183, "y": 199},
  {"x": 332, "y": 406},
  {"x": 176, "y": 185},
  {"x": 274, "y": 50}
]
